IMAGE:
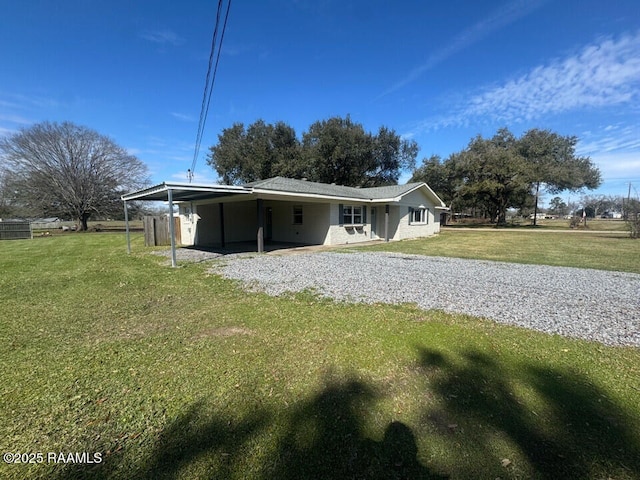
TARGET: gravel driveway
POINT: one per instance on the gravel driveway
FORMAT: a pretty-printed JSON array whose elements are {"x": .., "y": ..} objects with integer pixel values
[{"x": 585, "y": 303}]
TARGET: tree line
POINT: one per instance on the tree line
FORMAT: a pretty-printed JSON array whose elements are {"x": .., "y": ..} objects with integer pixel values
[
  {"x": 494, "y": 174},
  {"x": 61, "y": 169},
  {"x": 594, "y": 206},
  {"x": 490, "y": 175}
]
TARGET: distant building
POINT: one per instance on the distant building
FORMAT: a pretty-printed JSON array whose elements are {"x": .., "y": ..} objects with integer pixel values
[
  {"x": 46, "y": 223},
  {"x": 542, "y": 216}
]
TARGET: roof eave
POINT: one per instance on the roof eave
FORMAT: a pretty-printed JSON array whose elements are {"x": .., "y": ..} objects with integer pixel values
[
  {"x": 320, "y": 196},
  {"x": 166, "y": 186}
]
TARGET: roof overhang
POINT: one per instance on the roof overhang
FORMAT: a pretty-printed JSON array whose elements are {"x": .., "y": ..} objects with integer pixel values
[
  {"x": 281, "y": 194},
  {"x": 184, "y": 192},
  {"x": 189, "y": 192}
]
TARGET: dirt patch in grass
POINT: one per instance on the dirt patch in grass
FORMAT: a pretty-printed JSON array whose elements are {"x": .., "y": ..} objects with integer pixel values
[
  {"x": 127, "y": 332},
  {"x": 222, "y": 332}
]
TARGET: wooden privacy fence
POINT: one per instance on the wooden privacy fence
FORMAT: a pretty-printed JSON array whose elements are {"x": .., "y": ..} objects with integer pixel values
[
  {"x": 156, "y": 230},
  {"x": 15, "y": 230}
]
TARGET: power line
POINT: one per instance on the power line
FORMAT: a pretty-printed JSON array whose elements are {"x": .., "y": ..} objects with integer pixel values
[{"x": 209, "y": 82}]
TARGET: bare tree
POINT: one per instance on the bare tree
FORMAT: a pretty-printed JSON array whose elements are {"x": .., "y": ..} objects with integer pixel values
[
  {"x": 68, "y": 170},
  {"x": 6, "y": 194}
]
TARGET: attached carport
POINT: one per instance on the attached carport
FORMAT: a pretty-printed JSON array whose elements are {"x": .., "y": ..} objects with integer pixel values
[{"x": 179, "y": 192}]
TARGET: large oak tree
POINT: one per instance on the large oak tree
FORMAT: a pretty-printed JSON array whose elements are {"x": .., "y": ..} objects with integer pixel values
[
  {"x": 501, "y": 172},
  {"x": 336, "y": 150},
  {"x": 259, "y": 151},
  {"x": 66, "y": 170},
  {"x": 491, "y": 172},
  {"x": 552, "y": 164}
]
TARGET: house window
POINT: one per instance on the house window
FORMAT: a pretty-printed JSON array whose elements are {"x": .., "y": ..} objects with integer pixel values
[
  {"x": 297, "y": 214},
  {"x": 418, "y": 216},
  {"x": 352, "y": 215}
]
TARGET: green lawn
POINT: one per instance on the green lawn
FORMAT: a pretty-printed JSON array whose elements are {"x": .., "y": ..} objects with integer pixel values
[
  {"x": 593, "y": 225},
  {"x": 603, "y": 251},
  {"x": 179, "y": 374}
]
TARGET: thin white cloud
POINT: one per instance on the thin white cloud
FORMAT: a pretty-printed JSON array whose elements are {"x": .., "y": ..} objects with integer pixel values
[
  {"x": 183, "y": 117},
  {"x": 623, "y": 138},
  {"x": 19, "y": 101},
  {"x": 7, "y": 132},
  {"x": 618, "y": 166},
  {"x": 603, "y": 74},
  {"x": 205, "y": 176},
  {"x": 16, "y": 119},
  {"x": 6, "y": 104},
  {"x": 505, "y": 15},
  {"x": 162, "y": 37},
  {"x": 615, "y": 149},
  {"x": 134, "y": 151}
]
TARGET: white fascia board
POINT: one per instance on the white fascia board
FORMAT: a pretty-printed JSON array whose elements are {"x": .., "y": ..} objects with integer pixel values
[
  {"x": 435, "y": 196},
  {"x": 166, "y": 186},
  {"x": 278, "y": 193},
  {"x": 205, "y": 188},
  {"x": 386, "y": 200},
  {"x": 146, "y": 191},
  {"x": 398, "y": 199}
]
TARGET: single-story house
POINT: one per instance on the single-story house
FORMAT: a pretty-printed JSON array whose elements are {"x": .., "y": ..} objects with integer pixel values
[{"x": 297, "y": 211}]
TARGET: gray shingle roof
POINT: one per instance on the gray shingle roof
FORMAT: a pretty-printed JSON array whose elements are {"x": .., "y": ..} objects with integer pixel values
[{"x": 291, "y": 185}]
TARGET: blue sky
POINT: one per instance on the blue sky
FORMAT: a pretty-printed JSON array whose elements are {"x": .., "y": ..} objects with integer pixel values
[{"x": 438, "y": 72}]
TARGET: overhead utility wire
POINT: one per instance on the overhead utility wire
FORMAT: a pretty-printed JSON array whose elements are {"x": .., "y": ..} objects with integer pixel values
[{"x": 209, "y": 82}]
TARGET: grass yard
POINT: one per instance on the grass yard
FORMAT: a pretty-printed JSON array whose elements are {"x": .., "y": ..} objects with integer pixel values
[
  {"x": 603, "y": 251},
  {"x": 179, "y": 374},
  {"x": 593, "y": 225}
]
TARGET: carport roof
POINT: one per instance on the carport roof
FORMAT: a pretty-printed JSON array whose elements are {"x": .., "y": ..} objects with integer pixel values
[{"x": 185, "y": 192}]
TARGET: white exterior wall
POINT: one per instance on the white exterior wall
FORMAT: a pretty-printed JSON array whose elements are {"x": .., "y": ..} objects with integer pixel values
[
  {"x": 203, "y": 228},
  {"x": 408, "y": 230},
  {"x": 320, "y": 224},
  {"x": 188, "y": 221},
  {"x": 394, "y": 218},
  {"x": 206, "y": 226},
  {"x": 342, "y": 234},
  {"x": 240, "y": 221},
  {"x": 315, "y": 222},
  {"x": 394, "y": 215}
]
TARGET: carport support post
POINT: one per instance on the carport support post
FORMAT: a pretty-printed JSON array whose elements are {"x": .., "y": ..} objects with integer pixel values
[
  {"x": 386, "y": 223},
  {"x": 260, "y": 226},
  {"x": 126, "y": 227},
  {"x": 172, "y": 229}
]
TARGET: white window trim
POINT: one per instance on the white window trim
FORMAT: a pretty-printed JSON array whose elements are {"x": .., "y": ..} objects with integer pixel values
[
  {"x": 424, "y": 216},
  {"x": 349, "y": 218}
]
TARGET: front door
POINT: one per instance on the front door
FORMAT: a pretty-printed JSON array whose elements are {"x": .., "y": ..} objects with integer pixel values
[{"x": 374, "y": 223}]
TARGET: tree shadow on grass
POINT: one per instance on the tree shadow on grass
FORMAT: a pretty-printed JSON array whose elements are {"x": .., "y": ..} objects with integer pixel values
[
  {"x": 320, "y": 437},
  {"x": 477, "y": 413},
  {"x": 325, "y": 439},
  {"x": 578, "y": 431},
  {"x": 194, "y": 435}
]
